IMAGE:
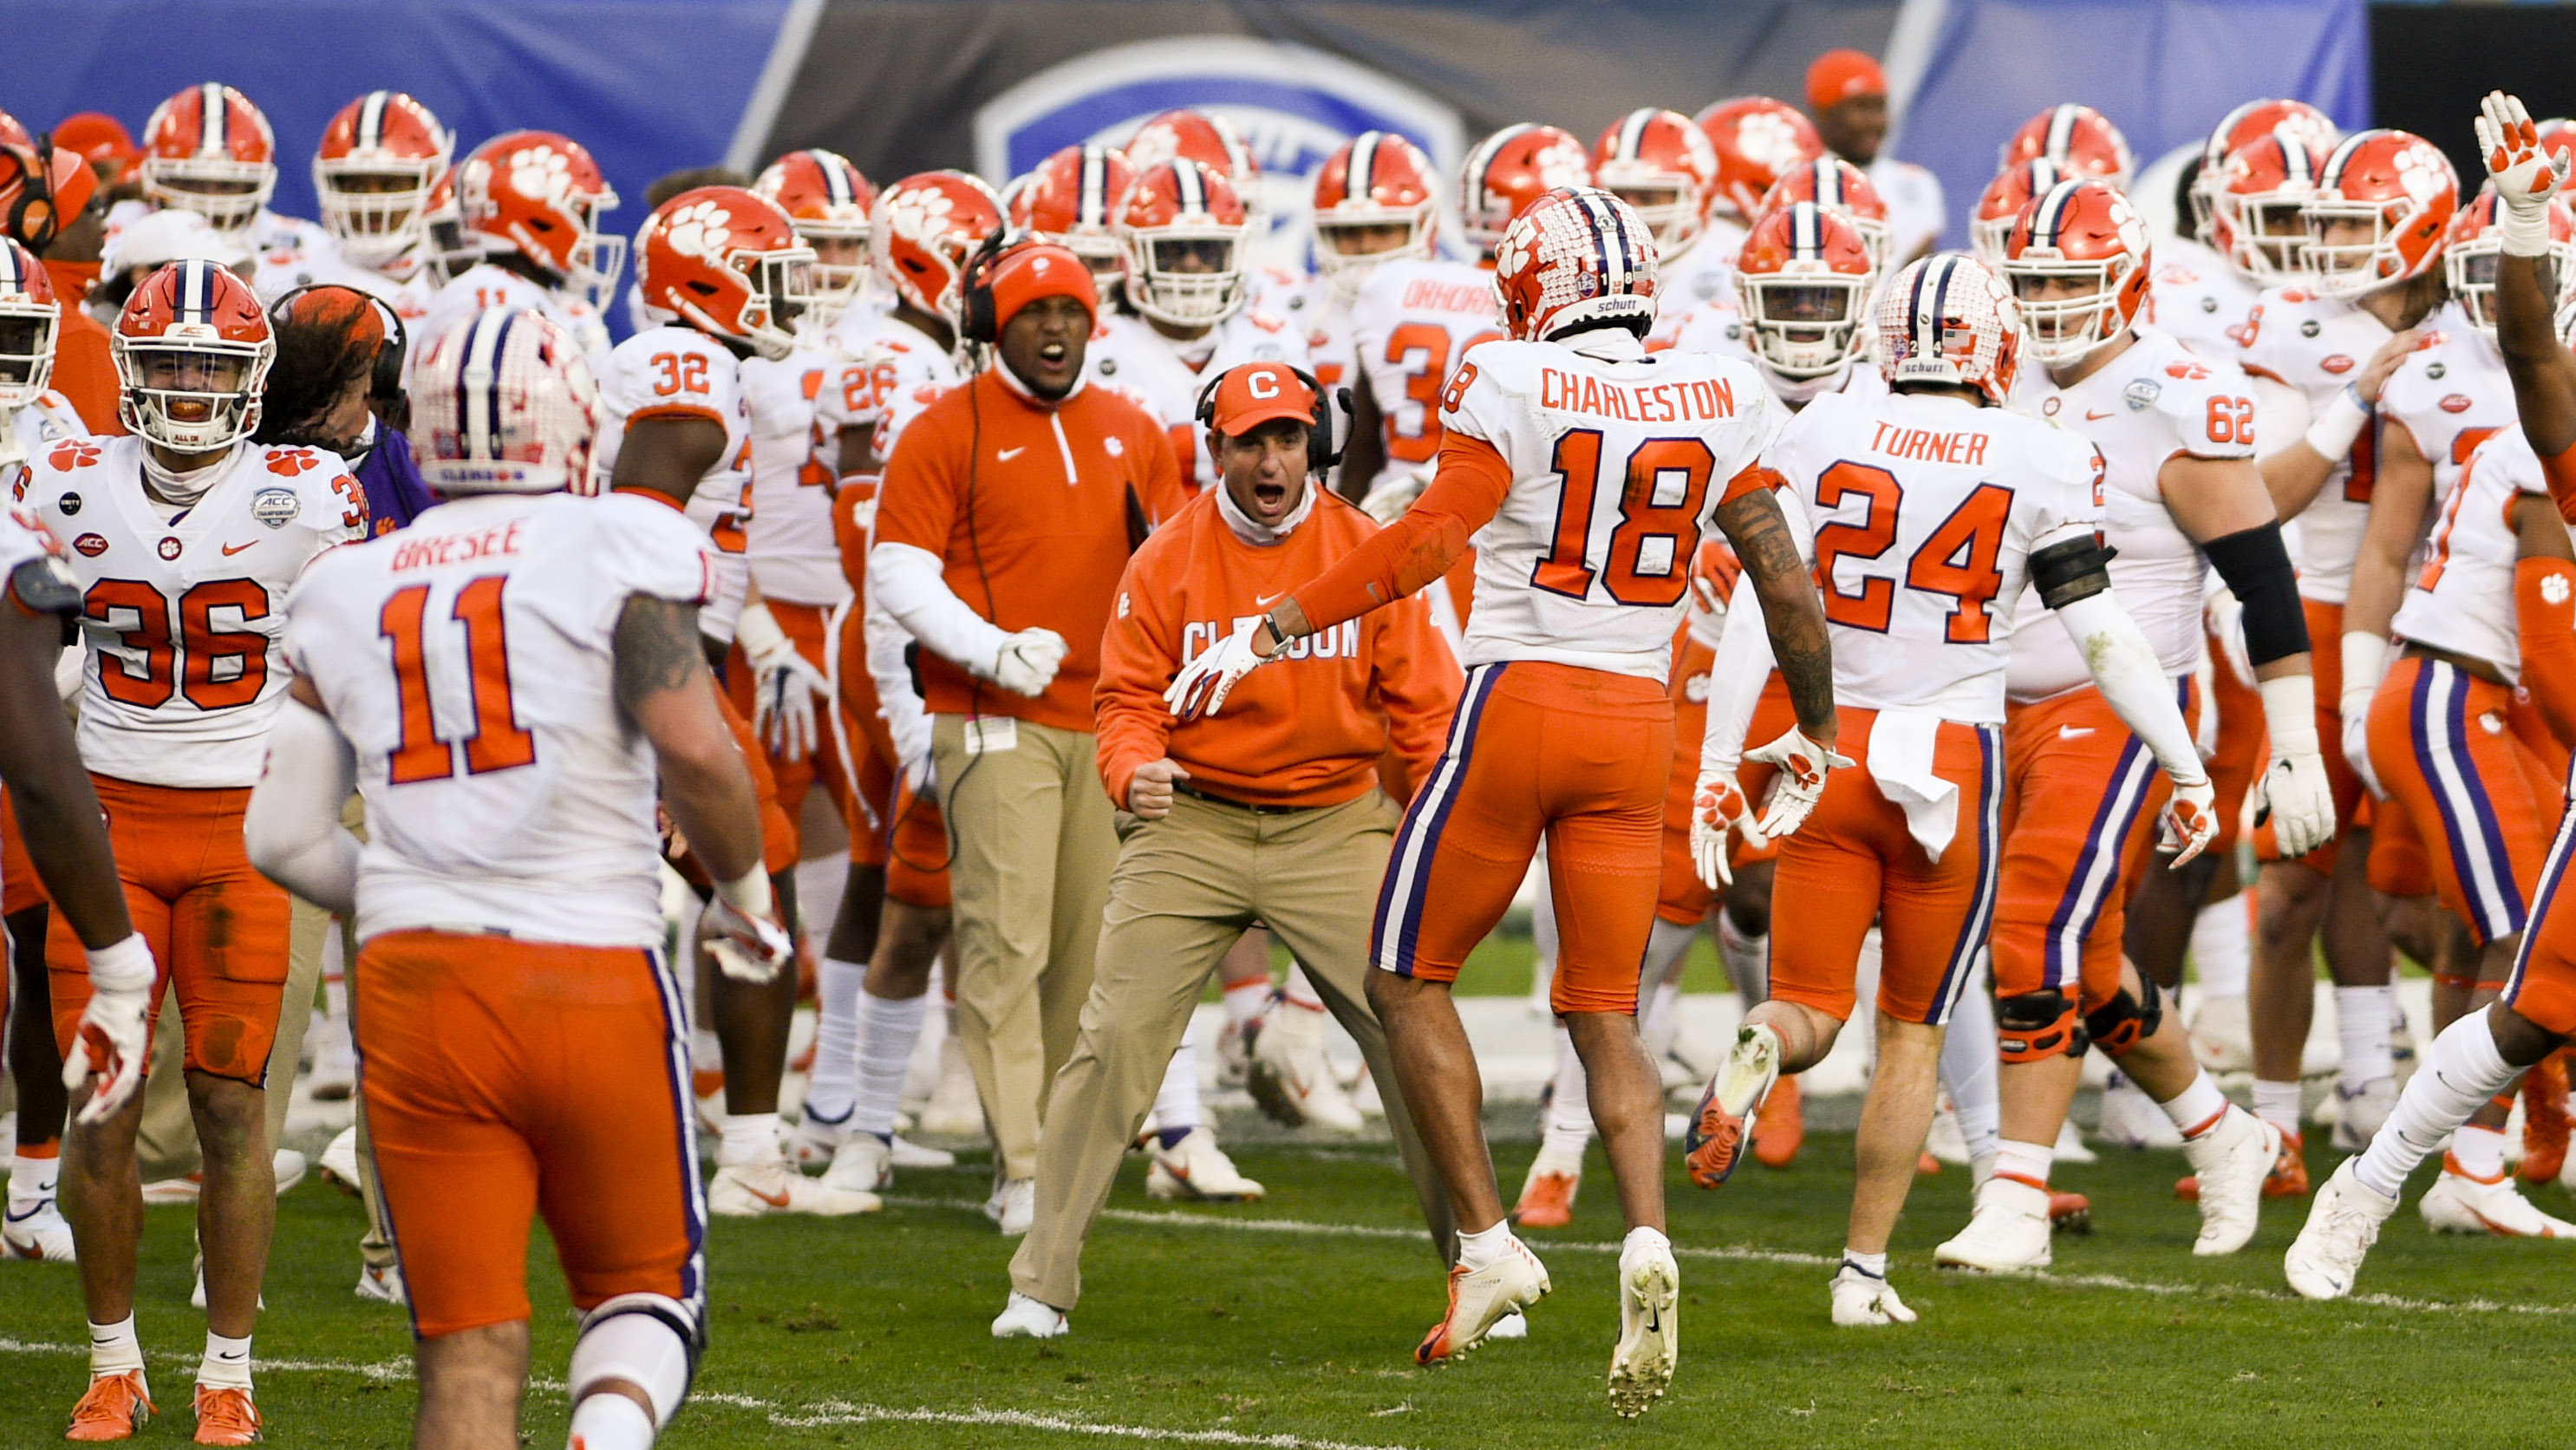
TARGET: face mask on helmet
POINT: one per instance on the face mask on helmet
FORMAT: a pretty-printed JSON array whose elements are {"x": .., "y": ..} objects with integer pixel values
[
  {"x": 1187, "y": 280},
  {"x": 2068, "y": 308},
  {"x": 26, "y": 352},
  {"x": 1803, "y": 326},
  {"x": 786, "y": 281},
  {"x": 191, "y": 396},
  {"x": 375, "y": 213}
]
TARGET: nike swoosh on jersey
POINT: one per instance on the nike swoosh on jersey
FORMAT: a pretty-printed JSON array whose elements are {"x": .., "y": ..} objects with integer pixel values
[
  {"x": 2092, "y": 417},
  {"x": 1007, "y": 454},
  {"x": 2073, "y": 732},
  {"x": 232, "y": 549},
  {"x": 1262, "y": 599}
]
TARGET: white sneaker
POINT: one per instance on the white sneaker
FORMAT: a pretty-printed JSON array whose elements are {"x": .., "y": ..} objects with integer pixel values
[
  {"x": 1650, "y": 1331},
  {"x": 1291, "y": 1077},
  {"x": 2070, "y": 1145},
  {"x": 385, "y": 1286},
  {"x": 1479, "y": 1299},
  {"x": 908, "y": 1154},
  {"x": 2359, "y": 1116},
  {"x": 1196, "y": 1167},
  {"x": 2459, "y": 1204},
  {"x": 813, "y": 1142},
  {"x": 164, "y": 1191},
  {"x": 1026, "y": 1318},
  {"x": 1013, "y": 1207},
  {"x": 2232, "y": 1160},
  {"x": 1863, "y": 1300},
  {"x": 2342, "y": 1224},
  {"x": 1946, "y": 1142},
  {"x": 2131, "y": 1119},
  {"x": 36, "y": 1230},
  {"x": 1721, "y": 1128},
  {"x": 2222, "y": 1036},
  {"x": 953, "y": 1110},
  {"x": 864, "y": 1164},
  {"x": 758, "y": 1189},
  {"x": 2008, "y": 1231},
  {"x": 339, "y": 1163},
  {"x": 1235, "y": 1044}
]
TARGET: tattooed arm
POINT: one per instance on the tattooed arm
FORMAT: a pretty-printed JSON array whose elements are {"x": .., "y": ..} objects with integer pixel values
[
  {"x": 664, "y": 687},
  {"x": 1794, "y": 616}
]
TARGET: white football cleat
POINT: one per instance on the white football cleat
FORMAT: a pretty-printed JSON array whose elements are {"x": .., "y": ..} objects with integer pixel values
[
  {"x": 1235, "y": 1043},
  {"x": 339, "y": 1163},
  {"x": 1946, "y": 1141},
  {"x": 2459, "y": 1204},
  {"x": 1290, "y": 1075},
  {"x": 1013, "y": 1206},
  {"x": 953, "y": 1110},
  {"x": 1479, "y": 1299},
  {"x": 2131, "y": 1119},
  {"x": 1514, "y": 1325},
  {"x": 2222, "y": 1036},
  {"x": 2342, "y": 1224},
  {"x": 1026, "y": 1318},
  {"x": 2359, "y": 1116},
  {"x": 2070, "y": 1145},
  {"x": 385, "y": 1286},
  {"x": 755, "y": 1190},
  {"x": 1863, "y": 1300},
  {"x": 1650, "y": 1331},
  {"x": 35, "y": 1229},
  {"x": 2232, "y": 1160},
  {"x": 908, "y": 1154},
  {"x": 812, "y": 1143},
  {"x": 1196, "y": 1167},
  {"x": 864, "y": 1162},
  {"x": 2008, "y": 1231}
]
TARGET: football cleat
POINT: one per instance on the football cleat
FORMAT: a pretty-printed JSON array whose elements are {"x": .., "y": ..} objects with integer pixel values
[
  {"x": 1196, "y": 1167},
  {"x": 226, "y": 1416},
  {"x": 2288, "y": 1178},
  {"x": 2342, "y": 1225},
  {"x": 2233, "y": 1161},
  {"x": 1650, "y": 1331},
  {"x": 2008, "y": 1231},
  {"x": 1547, "y": 1195},
  {"x": 2460, "y": 1204},
  {"x": 1013, "y": 1206},
  {"x": 36, "y": 1229},
  {"x": 2544, "y": 1119},
  {"x": 2131, "y": 1119},
  {"x": 2358, "y": 1116},
  {"x": 1290, "y": 1076},
  {"x": 1782, "y": 1127},
  {"x": 1234, "y": 1047},
  {"x": 813, "y": 1142},
  {"x": 2069, "y": 1213},
  {"x": 2221, "y": 1035},
  {"x": 385, "y": 1285},
  {"x": 908, "y": 1154},
  {"x": 1713, "y": 1144},
  {"x": 1863, "y": 1299},
  {"x": 864, "y": 1163},
  {"x": 2070, "y": 1145},
  {"x": 1481, "y": 1298},
  {"x": 953, "y": 1110},
  {"x": 1027, "y": 1318},
  {"x": 113, "y": 1408},
  {"x": 756, "y": 1190},
  {"x": 339, "y": 1162},
  {"x": 1945, "y": 1142}
]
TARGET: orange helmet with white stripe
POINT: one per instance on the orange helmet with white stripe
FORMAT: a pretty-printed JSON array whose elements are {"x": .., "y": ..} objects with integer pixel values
[
  {"x": 1757, "y": 140},
  {"x": 1659, "y": 163},
  {"x": 2398, "y": 184},
  {"x": 372, "y": 173},
  {"x": 29, "y": 320},
  {"x": 1843, "y": 189},
  {"x": 1804, "y": 276},
  {"x": 1508, "y": 172},
  {"x": 210, "y": 151},
  {"x": 1181, "y": 230},
  {"x": 2081, "y": 140},
  {"x": 192, "y": 350},
  {"x": 2080, "y": 231},
  {"x": 2255, "y": 206},
  {"x": 827, "y": 200},
  {"x": 1377, "y": 179},
  {"x": 2240, "y": 128},
  {"x": 1071, "y": 199},
  {"x": 2005, "y": 196}
]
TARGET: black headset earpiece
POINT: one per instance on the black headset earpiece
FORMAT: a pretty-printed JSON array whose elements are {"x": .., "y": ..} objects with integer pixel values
[
  {"x": 33, "y": 218},
  {"x": 1321, "y": 452},
  {"x": 975, "y": 320},
  {"x": 384, "y": 382}
]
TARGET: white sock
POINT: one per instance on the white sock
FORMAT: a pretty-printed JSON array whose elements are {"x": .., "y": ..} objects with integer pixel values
[
  {"x": 2027, "y": 1161},
  {"x": 1477, "y": 1250},
  {"x": 34, "y": 1179},
  {"x": 1176, "y": 1102},
  {"x": 2478, "y": 1151},
  {"x": 1569, "y": 1110},
  {"x": 2277, "y": 1103},
  {"x": 2197, "y": 1108},
  {"x": 1874, "y": 1265},
  {"x": 226, "y": 1364},
  {"x": 1244, "y": 1000},
  {"x": 706, "y": 1054},
  {"x": 610, "y": 1421},
  {"x": 1747, "y": 958},
  {"x": 2460, "y": 1074},
  {"x": 113, "y": 1349},
  {"x": 834, "y": 1087},
  {"x": 2362, "y": 1015},
  {"x": 1298, "y": 991},
  {"x": 1968, "y": 1068},
  {"x": 748, "y": 1138},
  {"x": 2222, "y": 948},
  {"x": 887, "y": 1030}
]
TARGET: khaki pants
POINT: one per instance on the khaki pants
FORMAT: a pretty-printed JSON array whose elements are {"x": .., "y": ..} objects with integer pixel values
[
  {"x": 1186, "y": 887},
  {"x": 1029, "y": 876},
  {"x": 166, "y": 1142}
]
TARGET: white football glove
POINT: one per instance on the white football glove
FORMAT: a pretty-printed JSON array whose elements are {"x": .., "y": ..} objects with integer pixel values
[
  {"x": 2298, "y": 798},
  {"x": 2356, "y": 740},
  {"x": 783, "y": 701},
  {"x": 1202, "y": 685},
  {"x": 1718, "y": 807},
  {"x": 746, "y": 948},
  {"x": 114, "y": 1040},
  {"x": 2524, "y": 175},
  {"x": 2190, "y": 821},
  {"x": 1388, "y": 502},
  {"x": 1027, "y": 662},
  {"x": 1801, "y": 781}
]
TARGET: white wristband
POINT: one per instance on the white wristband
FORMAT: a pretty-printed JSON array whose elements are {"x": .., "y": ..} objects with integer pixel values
[
  {"x": 2365, "y": 659},
  {"x": 123, "y": 967},
  {"x": 757, "y": 631},
  {"x": 748, "y": 893},
  {"x": 2523, "y": 231},
  {"x": 2332, "y": 435},
  {"x": 2290, "y": 714}
]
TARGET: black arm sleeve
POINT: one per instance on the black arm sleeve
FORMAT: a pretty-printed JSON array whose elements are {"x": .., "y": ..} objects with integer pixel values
[
  {"x": 2072, "y": 570},
  {"x": 2257, "y": 568}
]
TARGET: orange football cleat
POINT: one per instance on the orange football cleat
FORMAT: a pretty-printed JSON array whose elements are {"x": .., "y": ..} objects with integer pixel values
[
  {"x": 1926, "y": 1165},
  {"x": 2544, "y": 1118},
  {"x": 1781, "y": 1127},
  {"x": 2288, "y": 1178},
  {"x": 115, "y": 1406},
  {"x": 225, "y": 1416},
  {"x": 1547, "y": 1201},
  {"x": 2070, "y": 1212}
]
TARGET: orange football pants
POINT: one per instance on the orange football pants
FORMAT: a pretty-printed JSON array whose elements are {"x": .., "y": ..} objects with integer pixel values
[
  {"x": 1682, "y": 898},
  {"x": 1854, "y": 864},
  {"x": 806, "y": 627},
  {"x": 1579, "y": 756},
  {"x": 2483, "y": 806},
  {"x": 506, "y": 1080},
  {"x": 2352, "y": 801},
  {"x": 889, "y": 826},
  {"x": 217, "y": 928},
  {"x": 2081, "y": 799}
]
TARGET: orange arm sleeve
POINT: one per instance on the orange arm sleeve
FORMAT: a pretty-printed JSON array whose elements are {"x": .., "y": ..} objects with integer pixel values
[
  {"x": 1463, "y": 497},
  {"x": 2544, "y": 597},
  {"x": 1137, "y": 663},
  {"x": 1419, "y": 682},
  {"x": 2560, "y": 470}
]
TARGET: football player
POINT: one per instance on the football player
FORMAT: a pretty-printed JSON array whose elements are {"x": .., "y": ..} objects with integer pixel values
[
  {"x": 2199, "y": 291},
  {"x": 829, "y": 202},
  {"x": 506, "y": 684},
  {"x": 1663, "y": 165},
  {"x": 185, "y": 537},
  {"x": 529, "y": 203},
  {"x": 209, "y": 150},
  {"x": 372, "y": 175},
  {"x": 1847, "y": 91}
]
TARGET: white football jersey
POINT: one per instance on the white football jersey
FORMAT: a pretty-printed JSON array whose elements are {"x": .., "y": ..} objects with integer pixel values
[
  {"x": 1701, "y": 275},
  {"x": 181, "y": 618},
  {"x": 470, "y": 661},
  {"x": 894, "y": 372},
  {"x": 1917, "y": 215},
  {"x": 1926, "y": 511},
  {"x": 793, "y": 555},
  {"x": 484, "y": 285},
  {"x": 1128, "y": 357},
  {"x": 2462, "y": 600},
  {"x": 2192, "y": 294},
  {"x": 680, "y": 372},
  {"x": 2450, "y": 395},
  {"x": 1574, "y": 569},
  {"x": 1411, "y": 324},
  {"x": 1718, "y": 329},
  {"x": 2317, "y": 345},
  {"x": 2154, "y": 402},
  {"x": 1318, "y": 312},
  {"x": 48, "y": 420}
]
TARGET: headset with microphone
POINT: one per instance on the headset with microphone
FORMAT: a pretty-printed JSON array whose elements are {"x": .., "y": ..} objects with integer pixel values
[{"x": 1321, "y": 455}]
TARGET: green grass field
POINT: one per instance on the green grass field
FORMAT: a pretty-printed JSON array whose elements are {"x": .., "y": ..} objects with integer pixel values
[{"x": 1290, "y": 1323}]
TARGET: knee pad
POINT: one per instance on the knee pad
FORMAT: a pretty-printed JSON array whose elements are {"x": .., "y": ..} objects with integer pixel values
[
  {"x": 2125, "y": 1021},
  {"x": 644, "y": 1339},
  {"x": 2035, "y": 1026}
]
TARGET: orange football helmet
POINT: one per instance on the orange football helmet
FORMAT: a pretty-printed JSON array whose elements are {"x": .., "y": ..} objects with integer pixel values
[
  {"x": 29, "y": 320},
  {"x": 1757, "y": 140},
  {"x": 1843, "y": 189},
  {"x": 66, "y": 184},
  {"x": 1663, "y": 166},
  {"x": 541, "y": 194},
  {"x": 1201, "y": 136},
  {"x": 1578, "y": 258},
  {"x": 1510, "y": 170},
  {"x": 1181, "y": 232},
  {"x": 2256, "y": 205},
  {"x": 449, "y": 246},
  {"x": 372, "y": 174},
  {"x": 2005, "y": 196},
  {"x": 2081, "y": 140},
  {"x": 923, "y": 230},
  {"x": 2403, "y": 188},
  {"x": 1804, "y": 276},
  {"x": 210, "y": 151},
  {"x": 2082, "y": 231},
  {"x": 828, "y": 201},
  {"x": 729, "y": 263},
  {"x": 2240, "y": 128},
  {"x": 2469, "y": 258},
  {"x": 1946, "y": 319},
  {"x": 192, "y": 350},
  {"x": 1377, "y": 179},
  {"x": 1071, "y": 199}
]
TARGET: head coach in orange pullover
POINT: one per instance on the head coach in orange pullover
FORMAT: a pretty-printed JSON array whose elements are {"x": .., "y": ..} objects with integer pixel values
[
  {"x": 1271, "y": 812},
  {"x": 1004, "y": 522}
]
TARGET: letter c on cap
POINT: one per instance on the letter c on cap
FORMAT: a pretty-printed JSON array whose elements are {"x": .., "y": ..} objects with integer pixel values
[{"x": 1263, "y": 384}]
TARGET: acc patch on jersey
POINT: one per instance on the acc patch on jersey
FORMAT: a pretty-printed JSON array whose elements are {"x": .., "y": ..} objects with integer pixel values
[
  {"x": 2141, "y": 395},
  {"x": 275, "y": 507}
]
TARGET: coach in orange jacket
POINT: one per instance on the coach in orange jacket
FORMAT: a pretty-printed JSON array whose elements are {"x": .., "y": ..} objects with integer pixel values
[{"x": 1270, "y": 813}]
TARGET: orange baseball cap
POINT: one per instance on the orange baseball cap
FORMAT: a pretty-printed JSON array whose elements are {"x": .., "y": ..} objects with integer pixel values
[
  {"x": 1839, "y": 75},
  {"x": 1251, "y": 394}
]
